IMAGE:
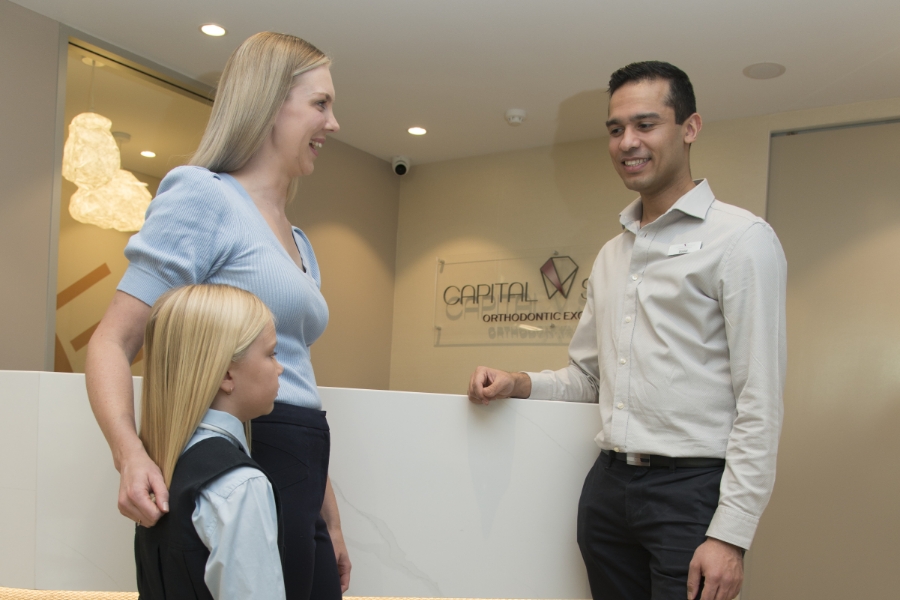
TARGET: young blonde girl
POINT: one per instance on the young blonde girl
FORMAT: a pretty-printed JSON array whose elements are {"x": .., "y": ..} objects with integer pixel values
[{"x": 210, "y": 367}]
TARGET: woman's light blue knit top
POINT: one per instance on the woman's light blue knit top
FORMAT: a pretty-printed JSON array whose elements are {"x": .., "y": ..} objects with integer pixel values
[{"x": 202, "y": 227}]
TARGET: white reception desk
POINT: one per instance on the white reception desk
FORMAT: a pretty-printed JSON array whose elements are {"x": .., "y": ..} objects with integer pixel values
[{"x": 438, "y": 497}]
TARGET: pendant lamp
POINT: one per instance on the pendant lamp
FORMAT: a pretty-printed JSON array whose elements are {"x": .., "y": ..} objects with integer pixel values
[
  {"x": 107, "y": 196},
  {"x": 120, "y": 204},
  {"x": 91, "y": 155}
]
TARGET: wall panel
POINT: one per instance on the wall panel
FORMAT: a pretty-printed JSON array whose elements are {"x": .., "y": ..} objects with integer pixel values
[
  {"x": 28, "y": 153},
  {"x": 832, "y": 526}
]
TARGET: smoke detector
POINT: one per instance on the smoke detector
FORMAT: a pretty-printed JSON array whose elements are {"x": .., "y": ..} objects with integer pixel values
[{"x": 515, "y": 116}]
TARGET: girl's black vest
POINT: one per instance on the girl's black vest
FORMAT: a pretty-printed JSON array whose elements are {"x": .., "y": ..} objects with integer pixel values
[{"x": 170, "y": 558}]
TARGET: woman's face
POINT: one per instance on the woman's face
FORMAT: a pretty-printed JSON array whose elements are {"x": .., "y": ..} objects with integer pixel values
[{"x": 305, "y": 119}]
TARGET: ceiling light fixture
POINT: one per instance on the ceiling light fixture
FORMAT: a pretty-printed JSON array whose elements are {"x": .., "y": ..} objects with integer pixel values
[
  {"x": 107, "y": 196},
  {"x": 765, "y": 70},
  {"x": 417, "y": 130},
  {"x": 148, "y": 154},
  {"x": 213, "y": 30},
  {"x": 90, "y": 156},
  {"x": 119, "y": 204}
]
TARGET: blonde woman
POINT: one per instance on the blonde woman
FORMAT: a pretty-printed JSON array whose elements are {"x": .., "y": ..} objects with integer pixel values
[
  {"x": 223, "y": 220},
  {"x": 210, "y": 368}
]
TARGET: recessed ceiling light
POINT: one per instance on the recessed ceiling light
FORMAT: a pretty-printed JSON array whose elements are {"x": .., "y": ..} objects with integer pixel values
[
  {"x": 213, "y": 30},
  {"x": 148, "y": 154},
  {"x": 92, "y": 62},
  {"x": 764, "y": 70},
  {"x": 417, "y": 131}
]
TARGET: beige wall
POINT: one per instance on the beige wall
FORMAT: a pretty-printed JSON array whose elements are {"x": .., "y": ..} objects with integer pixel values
[
  {"x": 735, "y": 154},
  {"x": 565, "y": 194},
  {"x": 29, "y": 146},
  {"x": 554, "y": 196},
  {"x": 348, "y": 208},
  {"x": 832, "y": 526}
]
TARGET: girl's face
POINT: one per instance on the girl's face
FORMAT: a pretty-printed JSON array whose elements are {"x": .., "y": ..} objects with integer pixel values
[
  {"x": 253, "y": 381},
  {"x": 304, "y": 121}
]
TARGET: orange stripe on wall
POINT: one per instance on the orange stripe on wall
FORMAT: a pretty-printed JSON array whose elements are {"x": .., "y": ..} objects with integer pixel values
[
  {"x": 61, "y": 362},
  {"x": 81, "y": 286},
  {"x": 139, "y": 357},
  {"x": 81, "y": 340}
]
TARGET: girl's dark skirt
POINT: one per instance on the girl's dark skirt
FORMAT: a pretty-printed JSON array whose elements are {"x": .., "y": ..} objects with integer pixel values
[{"x": 292, "y": 444}]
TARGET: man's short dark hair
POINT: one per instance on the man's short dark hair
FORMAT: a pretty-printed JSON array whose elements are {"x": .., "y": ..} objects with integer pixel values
[{"x": 681, "y": 92}]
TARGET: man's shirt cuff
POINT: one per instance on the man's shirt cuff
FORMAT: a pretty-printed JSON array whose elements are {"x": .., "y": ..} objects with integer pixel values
[{"x": 733, "y": 526}]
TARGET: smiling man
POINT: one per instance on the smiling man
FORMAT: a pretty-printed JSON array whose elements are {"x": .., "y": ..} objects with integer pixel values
[{"x": 682, "y": 344}]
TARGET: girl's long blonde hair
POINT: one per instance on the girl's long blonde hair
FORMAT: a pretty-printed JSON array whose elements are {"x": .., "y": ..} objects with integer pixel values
[
  {"x": 254, "y": 85},
  {"x": 193, "y": 335}
]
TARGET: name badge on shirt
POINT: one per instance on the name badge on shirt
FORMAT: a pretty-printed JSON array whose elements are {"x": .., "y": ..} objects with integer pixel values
[{"x": 679, "y": 249}]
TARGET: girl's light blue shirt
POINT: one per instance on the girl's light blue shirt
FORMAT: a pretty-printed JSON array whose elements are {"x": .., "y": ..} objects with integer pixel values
[
  {"x": 236, "y": 519},
  {"x": 203, "y": 227}
]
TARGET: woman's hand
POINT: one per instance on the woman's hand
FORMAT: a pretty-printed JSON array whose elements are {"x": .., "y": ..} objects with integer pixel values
[
  {"x": 143, "y": 496},
  {"x": 113, "y": 346},
  {"x": 333, "y": 522},
  {"x": 343, "y": 559}
]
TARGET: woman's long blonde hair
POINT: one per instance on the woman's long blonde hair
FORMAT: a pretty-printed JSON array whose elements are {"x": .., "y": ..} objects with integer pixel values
[
  {"x": 193, "y": 335},
  {"x": 254, "y": 85}
]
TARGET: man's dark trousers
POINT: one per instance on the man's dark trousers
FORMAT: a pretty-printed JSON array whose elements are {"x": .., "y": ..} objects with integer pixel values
[{"x": 638, "y": 527}]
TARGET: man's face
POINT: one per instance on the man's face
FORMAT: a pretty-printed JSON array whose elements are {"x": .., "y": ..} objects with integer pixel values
[{"x": 648, "y": 149}]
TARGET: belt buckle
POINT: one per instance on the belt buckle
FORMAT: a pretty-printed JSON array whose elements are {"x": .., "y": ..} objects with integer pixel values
[{"x": 637, "y": 459}]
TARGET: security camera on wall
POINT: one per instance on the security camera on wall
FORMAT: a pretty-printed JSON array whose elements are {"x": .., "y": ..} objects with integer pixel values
[{"x": 400, "y": 164}]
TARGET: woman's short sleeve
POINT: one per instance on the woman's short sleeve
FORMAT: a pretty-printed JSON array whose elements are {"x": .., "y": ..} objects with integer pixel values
[{"x": 188, "y": 234}]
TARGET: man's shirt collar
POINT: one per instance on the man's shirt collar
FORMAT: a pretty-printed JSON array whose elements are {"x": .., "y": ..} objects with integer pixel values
[{"x": 695, "y": 203}]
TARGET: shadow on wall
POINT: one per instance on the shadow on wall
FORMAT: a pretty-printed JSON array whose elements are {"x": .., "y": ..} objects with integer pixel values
[
  {"x": 576, "y": 170},
  {"x": 582, "y": 171},
  {"x": 582, "y": 117}
]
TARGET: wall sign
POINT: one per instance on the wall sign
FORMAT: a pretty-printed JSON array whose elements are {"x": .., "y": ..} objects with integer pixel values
[{"x": 530, "y": 298}]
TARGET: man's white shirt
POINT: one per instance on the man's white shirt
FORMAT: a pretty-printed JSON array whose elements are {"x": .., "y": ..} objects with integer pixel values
[{"x": 682, "y": 342}]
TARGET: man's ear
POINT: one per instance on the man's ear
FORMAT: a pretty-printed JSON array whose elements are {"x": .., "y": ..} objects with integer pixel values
[{"x": 692, "y": 126}]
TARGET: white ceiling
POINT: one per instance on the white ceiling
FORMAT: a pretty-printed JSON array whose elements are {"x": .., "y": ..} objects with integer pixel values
[{"x": 455, "y": 66}]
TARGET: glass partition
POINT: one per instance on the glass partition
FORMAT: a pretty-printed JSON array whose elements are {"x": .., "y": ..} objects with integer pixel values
[{"x": 156, "y": 126}]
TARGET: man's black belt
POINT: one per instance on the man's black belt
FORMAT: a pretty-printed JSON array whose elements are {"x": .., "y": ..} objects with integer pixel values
[{"x": 669, "y": 462}]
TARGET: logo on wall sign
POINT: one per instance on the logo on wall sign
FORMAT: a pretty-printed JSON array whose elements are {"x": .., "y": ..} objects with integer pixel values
[{"x": 558, "y": 275}]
